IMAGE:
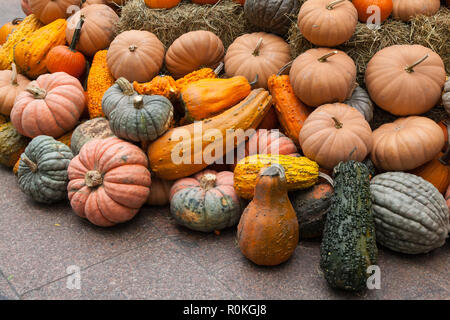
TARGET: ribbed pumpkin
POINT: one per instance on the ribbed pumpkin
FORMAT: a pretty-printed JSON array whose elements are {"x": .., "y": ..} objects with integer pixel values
[
  {"x": 193, "y": 50},
  {"x": 271, "y": 15},
  {"x": 30, "y": 54},
  {"x": 7, "y": 29},
  {"x": 436, "y": 171},
  {"x": 109, "y": 181},
  {"x": 407, "y": 9},
  {"x": 364, "y": 9},
  {"x": 411, "y": 216},
  {"x": 98, "y": 28},
  {"x": 206, "y": 202},
  {"x": 135, "y": 55},
  {"x": 42, "y": 173},
  {"x": 327, "y": 23},
  {"x": 51, "y": 105},
  {"x": 159, "y": 192},
  {"x": 334, "y": 133},
  {"x": 142, "y": 118},
  {"x": 161, "y": 4},
  {"x": 406, "y": 143},
  {"x": 50, "y": 10},
  {"x": 12, "y": 144},
  {"x": 415, "y": 75},
  {"x": 11, "y": 84},
  {"x": 360, "y": 100},
  {"x": 24, "y": 30},
  {"x": 97, "y": 128},
  {"x": 267, "y": 233},
  {"x": 446, "y": 96},
  {"x": 311, "y": 80},
  {"x": 256, "y": 54},
  {"x": 301, "y": 173}
]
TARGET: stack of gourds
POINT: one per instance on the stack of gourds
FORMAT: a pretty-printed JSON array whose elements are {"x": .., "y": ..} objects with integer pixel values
[{"x": 96, "y": 123}]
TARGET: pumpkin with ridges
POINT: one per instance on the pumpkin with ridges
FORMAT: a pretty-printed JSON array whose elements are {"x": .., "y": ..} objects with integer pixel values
[
  {"x": 11, "y": 84},
  {"x": 97, "y": 128},
  {"x": 360, "y": 100},
  {"x": 407, "y": 9},
  {"x": 50, "y": 10}
]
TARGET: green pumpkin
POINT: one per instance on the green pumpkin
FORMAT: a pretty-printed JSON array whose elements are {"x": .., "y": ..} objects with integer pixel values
[
  {"x": 136, "y": 117},
  {"x": 360, "y": 100},
  {"x": 42, "y": 170}
]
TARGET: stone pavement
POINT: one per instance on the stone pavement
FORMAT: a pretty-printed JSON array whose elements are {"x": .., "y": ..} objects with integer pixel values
[{"x": 152, "y": 258}]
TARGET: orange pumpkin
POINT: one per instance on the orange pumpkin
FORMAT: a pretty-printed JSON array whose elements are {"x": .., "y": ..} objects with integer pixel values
[
  {"x": 192, "y": 51},
  {"x": 8, "y": 28},
  {"x": 407, "y": 9},
  {"x": 385, "y": 7},
  {"x": 51, "y": 105},
  {"x": 445, "y": 126},
  {"x": 161, "y": 4},
  {"x": 50, "y": 10},
  {"x": 436, "y": 171},
  {"x": 135, "y": 55},
  {"x": 405, "y": 79},
  {"x": 334, "y": 133},
  {"x": 159, "y": 192},
  {"x": 109, "y": 181},
  {"x": 11, "y": 84}
]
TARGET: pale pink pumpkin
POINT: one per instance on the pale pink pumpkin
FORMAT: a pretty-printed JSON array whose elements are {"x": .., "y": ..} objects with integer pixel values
[{"x": 11, "y": 84}]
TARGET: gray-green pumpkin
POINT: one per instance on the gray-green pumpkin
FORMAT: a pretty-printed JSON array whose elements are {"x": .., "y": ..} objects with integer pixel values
[
  {"x": 97, "y": 128},
  {"x": 136, "y": 117},
  {"x": 42, "y": 170},
  {"x": 360, "y": 100},
  {"x": 272, "y": 15},
  {"x": 411, "y": 215}
]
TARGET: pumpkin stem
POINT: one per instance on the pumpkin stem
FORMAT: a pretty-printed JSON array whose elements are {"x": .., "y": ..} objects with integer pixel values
[
  {"x": 258, "y": 47},
  {"x": 33, "y": 166},
  {"x": 287, "y": 65},
  {"x": 219, "y": 68},
  {"x": 208, "y": 181},
  {"x": 37, "y": 92},
  {"x": 93, "y": 178},
  {"x": 337, "y": 123},
  {"x": 132, "y": 48},
  {"x": 327, "y": 178},
  {"x": 410, "y": 68},
  {"x": 138, "y": 102},
  {"x": 325, "y": 57},
  {"x": 126, "y": 86},
  {"x": 254, "y": 81},
  {"x": 14, "y": 74},
  {"x": 76, "y": 34},
  {"x": 331, "y": 5}
]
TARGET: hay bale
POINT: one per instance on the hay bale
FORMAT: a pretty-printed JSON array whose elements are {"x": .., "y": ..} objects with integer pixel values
[{"x": 226, "y": 19}]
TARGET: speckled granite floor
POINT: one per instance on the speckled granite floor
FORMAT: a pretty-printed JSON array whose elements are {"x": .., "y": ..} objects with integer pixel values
[{"x": 152, "y": 258}]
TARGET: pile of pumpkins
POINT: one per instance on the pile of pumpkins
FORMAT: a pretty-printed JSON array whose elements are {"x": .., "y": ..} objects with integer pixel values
[{"x": 104, "y": 136}]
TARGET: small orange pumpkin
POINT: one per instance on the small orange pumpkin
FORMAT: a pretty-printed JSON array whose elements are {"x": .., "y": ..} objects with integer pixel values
[
  {"x": 161, "y": 4},
  {"x": 385, "y": 7},
  {"x": 8, "y": 28},
  {"x": 436, "y": 171}
]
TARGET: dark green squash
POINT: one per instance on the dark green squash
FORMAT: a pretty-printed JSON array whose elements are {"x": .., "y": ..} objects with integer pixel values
[{"x": 348, "y": 246}]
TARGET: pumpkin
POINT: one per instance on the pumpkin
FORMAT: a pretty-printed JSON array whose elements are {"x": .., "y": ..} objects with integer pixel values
[
  {"x": 42, "y": 173},
  {"x": 51, "y": 106},
  {"x": 97, "y": 128},
  {"x": 135, "y": 55},
  {"x": 142, "y": 118},
  {"x": 291, "y": 112},
  {"x": 436, "y": 171},
  {"x": 194, "y": 76},
  {"x": 406, "y": 9},
  {"x": 12, "y": 144},
  {"x": 98, "y": 28},
  {"x": 301, "y": 173},
  {"x": 161, "y": 4},
  {"x": 312, "y": 206},
  {"x": 159, "y": 85},
  {"x": 50, "y": 10},
  {"x": 99, "y": 80},
  {"x": 209, "y": 97},
  {"x": 445, "y": 126},
  {"x": 26, "y": 7},
  {"x": 334, "y": 133},
  {"x": 411, "y": 216},
  {"x": 271, "y": 15},
  {"x": 406, "y": 143},
  {"x": 121, "y": 92},
  {"x": 446, "y": 96},
  {"x": 193, "y": 50},
  {"x": 256, "y": 54},
  {"x": 11, "y": 84},
  {"x": 360, "y": 100},
  {"x": 327, "y": 23},
  {"x": 348, "y": 246},
  {"x": 312, "y": 69},
  {"x": 30, "y": 55},
  {"x": 362, "y": 6},
  {"x": 23, "y": 31},
  {"x": 206, "y": 201},
  {"x": 160, "y": 192},
  {"x": 415, "y": 75},
  {"x": 108, "y": 181},
  {"x": 67, "y": 59},
  {"x": 267, "y": 233},
  {"x": 245, "y": 115},
  {"x": 8, "y": 28}
]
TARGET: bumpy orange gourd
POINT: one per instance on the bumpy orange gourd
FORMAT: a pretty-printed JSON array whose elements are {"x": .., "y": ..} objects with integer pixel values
[
  {"x": 11, "y": 84},
  {"x": 159, "y": 85},
  {"x": 385, "y": 7},
  {"x": 267, "y": 233},
  {"x": 436, "y": 171},
  {"x": 7, "y": 29},
  {"x": 30, "y": 55},
  {"x": 188, "y": 160},
  {"x": 291, "y": 112},
  {"x": 99, "y": 80},
  {"x": 161, "y": 4},
  {"x": 204, "y": 73}
]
